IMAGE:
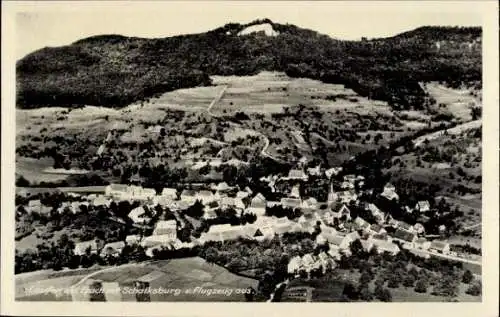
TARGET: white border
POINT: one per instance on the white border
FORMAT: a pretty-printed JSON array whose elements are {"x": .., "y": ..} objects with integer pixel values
[{"x": 489, "y": 12}]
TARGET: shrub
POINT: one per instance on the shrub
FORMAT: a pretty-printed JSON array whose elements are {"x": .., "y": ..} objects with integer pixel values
[{"x": 421, "y": 287}]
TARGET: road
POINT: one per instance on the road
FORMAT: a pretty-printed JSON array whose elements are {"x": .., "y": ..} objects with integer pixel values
[
  {"x": 263, "y": 152},
  {"x": 471, "y": 226},
  {"x": 449, "y": 257},
  {"x": 86, "y": 277},
  {"x": 216, "y": 100}
]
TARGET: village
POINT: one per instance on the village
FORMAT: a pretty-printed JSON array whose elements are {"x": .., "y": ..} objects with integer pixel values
[{"x": 344, "y": 218}]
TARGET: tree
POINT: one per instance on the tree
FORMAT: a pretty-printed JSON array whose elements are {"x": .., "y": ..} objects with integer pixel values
[
  {"x": 409, "y": 281},
  {"x": 196, "y": 210},
  {"x": 22, "y": 182},
  {"x": 356, "y": 247},
  {"x": 421, "y": 286},
  {"x": 350, "y": 291},
  {"x": 467, "y": 277},
  {"x": 394, "y": 281},
  {"x": 383, "y": 294},
  {"x": 365, "y": 294},
  {"x": 249, "y": 294},
  {"x": 474, "y": 289},
  {"x": 365, "y": 278}
]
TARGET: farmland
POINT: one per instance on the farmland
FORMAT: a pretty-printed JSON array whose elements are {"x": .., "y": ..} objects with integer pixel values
[{"x": 187, "y": 274}]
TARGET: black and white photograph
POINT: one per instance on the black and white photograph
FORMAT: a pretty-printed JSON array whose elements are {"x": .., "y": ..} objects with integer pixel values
[{"x": 249, "y": 152}]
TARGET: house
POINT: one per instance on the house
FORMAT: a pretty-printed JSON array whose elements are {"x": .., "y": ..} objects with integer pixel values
[
  {"x": 339, "y": 241},
  {"x": 347, "y": 196},
  {"x": 361, "y": 224},
  {"x": 393, "y": 223},
  {"x": 308, "y": 262},
  {"x": 227, "y": 202},
  {"x": 405, "y": 226},
  {"x": 205, "y": 196},
  {"x": 302, "y": 161},
  {"x": 210, "y": 214},
  {"x": 242, "y": 194},
  {"x": 133, "y": 239},
  {"x": 263, "y": 233},
  {"x": 102, "y": 201},
  {"x": 385, "y": 246},
  {"x": 308, "y": 226},
  {"x": 155, "y": 128},
  {"x": 334, "y": 251},
  {"x": 326, "y": 234},
  {"x": 294, "y": 203},
  {"x": 333, "y": 172},
  {"x": 215, "y": 162},
  {"x": 350, "y": 178},
  {"x": 325, "y": 261},
  {"x": 296, "y": 174},
  {"x": 224, "y": 232},
  {"x": 310, "y": 203},
  {"x": 376, "y": 213},
  {"x": 423, "y": 206},
  {"x": 420, "y": 253},
  {"x": 419, "y": 228},
  {"x": 116, "y": 190},
  {"x": 422, "y": 244},
  {"x": 295, "y": 192},
  {"x": 222, "y": 187},
  {"x": 230, "y": 202},
  {"x": 341, "y": 210},
  {"x": 442, "y": 247},
  {"x": 166, "y": 227},
  {"x": 314, "y": 171},
  {"x": 327, "y": 217},
  {"x": 163, "y": 201},
  {"x": 294, "y": 265},
  {"x": 82, "y": 247},
  {"x": 169, "y": 193},
  {"x": 101, "y": 150},
  {"x": 189, "y": 196},
  {"x": 76, "y": 206},
  {"x": 352, "y": 236},
  {"x": 112, "y": 249},
  {"x": 145, "y": 194},
  {"x": 347, "y": 185},
  {"x": 404, "y": 236},
  {"x": 137, "y": 215},
  {"x": 390, "y": 192},
  {"x": 381, "y": 236},
  {"x": 408, "y": 210},
  {"x": 179, "y": 205},
  {"x": 442, "y": 228},
  {"x": 258, "y": 205},
  {"x": 376, "y": 229},
  {"x": 367, "y": 244}
]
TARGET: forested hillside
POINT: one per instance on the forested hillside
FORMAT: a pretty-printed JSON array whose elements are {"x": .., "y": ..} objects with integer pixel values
[{"x": 113, "y": 70}]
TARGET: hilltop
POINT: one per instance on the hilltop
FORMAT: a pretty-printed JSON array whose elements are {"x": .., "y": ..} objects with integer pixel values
[{"x": 114, "y": 70}]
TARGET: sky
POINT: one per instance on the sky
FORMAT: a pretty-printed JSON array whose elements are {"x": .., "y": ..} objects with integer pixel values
[{"x": 57, "y": 23}]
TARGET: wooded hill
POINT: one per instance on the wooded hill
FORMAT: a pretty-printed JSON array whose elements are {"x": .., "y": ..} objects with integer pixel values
[{"x": 113, "y": 70}]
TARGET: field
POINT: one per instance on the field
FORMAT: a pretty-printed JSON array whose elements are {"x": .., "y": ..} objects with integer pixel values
[
  {"x": 185, "y": 274},
  {"x": 284, "y": 109},
  {"x": 34, "y": 170},
  {"x": 454, "y": 101},
  {"x": 50, "y": 280}
]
